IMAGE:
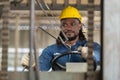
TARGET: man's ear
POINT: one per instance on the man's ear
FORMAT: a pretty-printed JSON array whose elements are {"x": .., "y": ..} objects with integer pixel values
[{"x": 80, "y": 26}]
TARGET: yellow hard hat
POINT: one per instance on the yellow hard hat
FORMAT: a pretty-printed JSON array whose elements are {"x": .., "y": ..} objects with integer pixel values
[{"x": 70, "y": 12}]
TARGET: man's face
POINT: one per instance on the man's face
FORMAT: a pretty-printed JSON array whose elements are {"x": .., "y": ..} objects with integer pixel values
[{"x": 71, "y": 28}]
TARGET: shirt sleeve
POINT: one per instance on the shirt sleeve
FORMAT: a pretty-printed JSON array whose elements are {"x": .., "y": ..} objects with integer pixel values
[
  {"x": 45, "y": 60},
  {"x": 97, "y": 53}
]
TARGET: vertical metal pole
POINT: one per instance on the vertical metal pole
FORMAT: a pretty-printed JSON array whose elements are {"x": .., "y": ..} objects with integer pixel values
[
  {"x": 90, "y": 60},
  {"x": 31, "y": 36},
  {"x": 101, "y": 38},
  {"x": 16, "y": 41},
  {"x": 32, "y": 43},
  {"x": 5, "y": 40}
]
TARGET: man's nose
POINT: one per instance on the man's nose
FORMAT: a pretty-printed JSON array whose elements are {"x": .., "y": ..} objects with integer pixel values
[{"x": 69, "y": 26}]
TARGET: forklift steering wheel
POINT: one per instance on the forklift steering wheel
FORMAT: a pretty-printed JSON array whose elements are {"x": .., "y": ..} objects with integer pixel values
[{"x": 54, "y": 61}]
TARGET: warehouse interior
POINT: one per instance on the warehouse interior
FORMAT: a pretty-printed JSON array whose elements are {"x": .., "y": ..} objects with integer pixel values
[{"x": 18, "y": 16}]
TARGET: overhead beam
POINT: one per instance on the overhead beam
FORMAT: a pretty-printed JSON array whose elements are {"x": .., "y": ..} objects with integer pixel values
[{"x": 56, "y": 7}]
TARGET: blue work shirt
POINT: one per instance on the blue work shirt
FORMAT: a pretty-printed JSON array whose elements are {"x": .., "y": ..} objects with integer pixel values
[{"x": 52, "y": 51}]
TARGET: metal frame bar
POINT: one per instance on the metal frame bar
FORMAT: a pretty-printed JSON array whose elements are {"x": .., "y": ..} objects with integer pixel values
[
  {"x": 31, "y": 36},
  {"x": 56, "y": 7}
]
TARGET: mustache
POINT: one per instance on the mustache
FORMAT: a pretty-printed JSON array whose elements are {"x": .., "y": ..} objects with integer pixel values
[{"x": 69, "y": 31}]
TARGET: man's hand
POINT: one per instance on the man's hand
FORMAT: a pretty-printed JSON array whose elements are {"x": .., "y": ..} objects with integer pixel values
[
  {"x": 25, "y": 61},
  {"x": 84, "y": 52}
]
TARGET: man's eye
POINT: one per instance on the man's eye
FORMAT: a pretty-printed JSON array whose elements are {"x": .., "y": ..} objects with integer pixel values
[
  {"x": 64, "y": 25},
  {"x": 73, "y": 24}
]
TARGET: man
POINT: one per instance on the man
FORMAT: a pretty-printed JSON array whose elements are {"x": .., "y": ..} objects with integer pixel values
[
  {"x": 71, "y": 25},
  {"x": 55, "y": 55}
]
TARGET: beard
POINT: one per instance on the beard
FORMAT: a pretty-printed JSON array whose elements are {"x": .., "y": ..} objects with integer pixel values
[{"x": 72, "y": 38}]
